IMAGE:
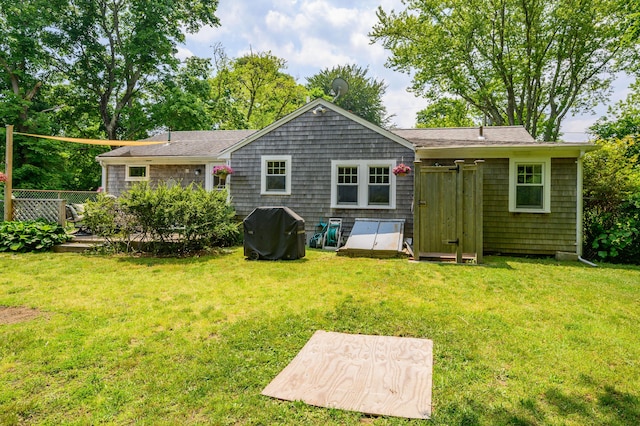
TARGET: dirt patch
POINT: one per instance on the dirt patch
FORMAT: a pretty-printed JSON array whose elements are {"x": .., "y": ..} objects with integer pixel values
[{"x": 15, "y": 314}]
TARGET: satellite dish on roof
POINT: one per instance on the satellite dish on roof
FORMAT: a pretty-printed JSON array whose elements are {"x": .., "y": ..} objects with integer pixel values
[{"x": 339, "y": 87}]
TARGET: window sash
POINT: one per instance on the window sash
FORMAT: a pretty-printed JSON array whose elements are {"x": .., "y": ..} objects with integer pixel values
[
  {"x": 379, "y": 188},
  {"x": 348, "y": 185}
]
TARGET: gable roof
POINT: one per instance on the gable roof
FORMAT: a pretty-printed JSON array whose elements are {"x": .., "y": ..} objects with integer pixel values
[
  {"x": 198, "y": 143},
  {"x": 317, "y": 103}
]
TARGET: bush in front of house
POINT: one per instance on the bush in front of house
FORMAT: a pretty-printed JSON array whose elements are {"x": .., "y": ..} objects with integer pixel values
[
  {"x": 612, "y": 202},
  {"x": 106, "y": 218},
  {"x": 33, "y": 235},
  {"x": 168, "y": 219}
]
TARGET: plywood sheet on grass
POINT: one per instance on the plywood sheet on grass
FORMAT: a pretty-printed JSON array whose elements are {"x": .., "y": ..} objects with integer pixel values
[{"x": 380, "y": 375}]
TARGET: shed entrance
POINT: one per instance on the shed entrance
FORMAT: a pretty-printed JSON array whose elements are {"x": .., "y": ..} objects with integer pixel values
[{"x": 448, "y": 213}]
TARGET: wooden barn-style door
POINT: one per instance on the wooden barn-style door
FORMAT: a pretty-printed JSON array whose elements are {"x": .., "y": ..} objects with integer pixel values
[{"x": 448, "y": 212}]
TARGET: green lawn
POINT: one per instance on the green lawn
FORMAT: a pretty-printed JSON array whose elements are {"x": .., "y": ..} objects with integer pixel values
[{"x": 126, "y": 340}]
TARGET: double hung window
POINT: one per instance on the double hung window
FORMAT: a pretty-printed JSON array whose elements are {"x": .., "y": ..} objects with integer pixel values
[
  {"x": 276, "y": 175},
  {"x": 530, "y": 185},
  {"x": 362, "y": 184}
]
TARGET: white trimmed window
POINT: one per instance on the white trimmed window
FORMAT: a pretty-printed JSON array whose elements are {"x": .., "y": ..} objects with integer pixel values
[
  {"x": 530, "y": 185},
  {"x": 276, "y": 175},
  {"x": 363, "y": 184},
  {"x": 137, "y": 173}
]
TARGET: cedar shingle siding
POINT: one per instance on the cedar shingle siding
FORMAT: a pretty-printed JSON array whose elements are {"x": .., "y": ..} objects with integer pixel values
[
  {"x": 177, "y": 173},
  {"x": 523, "y": 233},
  {"x": 312, "y": 141}
]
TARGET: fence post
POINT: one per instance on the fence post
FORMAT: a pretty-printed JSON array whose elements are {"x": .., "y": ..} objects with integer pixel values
[
  {"x": 459, "y": 209},
  {"x": 8, "y": 185}
]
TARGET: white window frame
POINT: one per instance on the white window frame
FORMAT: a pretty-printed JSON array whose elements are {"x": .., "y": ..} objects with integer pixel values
[
  {"x": 129, "y": 178},
  {"x": 546, "y": 182},
  {"x": 363, "y": 183},
  {"x": 263, "y": 173}
]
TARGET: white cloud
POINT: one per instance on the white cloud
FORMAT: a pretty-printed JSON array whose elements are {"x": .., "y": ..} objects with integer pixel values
[
  {"x": 404, "y": 106},
  {"x": 183, "y": 53}
]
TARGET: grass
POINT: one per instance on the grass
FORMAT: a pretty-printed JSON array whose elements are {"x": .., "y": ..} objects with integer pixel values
[{"x": 193, "y": 341}]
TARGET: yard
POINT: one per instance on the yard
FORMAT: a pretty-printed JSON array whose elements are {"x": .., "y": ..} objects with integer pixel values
[{"x": 124, "y": 340}]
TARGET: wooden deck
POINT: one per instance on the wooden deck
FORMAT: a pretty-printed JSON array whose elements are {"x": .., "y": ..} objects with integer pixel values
[{"x": 379, "y": 375}]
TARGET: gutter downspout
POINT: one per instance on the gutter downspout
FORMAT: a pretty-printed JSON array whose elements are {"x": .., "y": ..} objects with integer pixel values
[{"x": 580, "y": 211}]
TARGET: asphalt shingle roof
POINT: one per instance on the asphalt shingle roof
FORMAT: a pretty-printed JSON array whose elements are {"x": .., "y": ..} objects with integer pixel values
[
  {"x": 466, "y": 136},
  {"x": 203, "y": 143},
  {"x": 198, "y": 143}
]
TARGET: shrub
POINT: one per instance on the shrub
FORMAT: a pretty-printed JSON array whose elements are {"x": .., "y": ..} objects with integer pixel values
[
  {"x": 612, "y": 202},
  {"x": 169, "y": 219},
  {"x": 107, "y": 219},
  {"x": 35, "y": 235}
]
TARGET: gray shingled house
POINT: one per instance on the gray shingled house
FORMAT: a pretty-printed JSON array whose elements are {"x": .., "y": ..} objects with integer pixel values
[
  {"x": 323, "y": 162},
  {"x": 510, "y": 195}
]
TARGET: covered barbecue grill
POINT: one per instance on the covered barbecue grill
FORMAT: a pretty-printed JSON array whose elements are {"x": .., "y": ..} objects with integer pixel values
[{"x": 274, "y": 233}]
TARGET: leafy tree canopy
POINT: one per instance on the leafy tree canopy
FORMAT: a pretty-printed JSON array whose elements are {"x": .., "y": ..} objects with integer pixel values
[
  {"x": 529, "y": 62},
  {"x": 364, "y": 97},
  {"x": 623, "y": 119},
  {"x": 111, "y": 50},
  {"x": 182, "y": 101},
  {"x": 447, "y": 112},
  {"x": 256, "y": 86}
]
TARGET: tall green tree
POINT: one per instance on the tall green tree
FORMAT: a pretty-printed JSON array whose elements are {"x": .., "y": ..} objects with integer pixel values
[
  {"x": 528, "y": 62},
  {"x": 115, "y": 48},
  {"x": 447, "y": 112},
  {"x": 25, "y": 62},
  {"x": 364, "y": 97},
  {"x": 259, "y": 88},
  {"x": 182, "y": 101},
  {"x": 26, "y": 70}
]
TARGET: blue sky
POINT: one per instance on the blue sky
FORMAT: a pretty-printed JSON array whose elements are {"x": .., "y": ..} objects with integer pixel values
[{"x": 312, "y": 35}]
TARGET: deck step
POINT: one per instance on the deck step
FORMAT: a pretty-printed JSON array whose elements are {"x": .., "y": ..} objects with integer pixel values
[{"x": 72, "y": 248}]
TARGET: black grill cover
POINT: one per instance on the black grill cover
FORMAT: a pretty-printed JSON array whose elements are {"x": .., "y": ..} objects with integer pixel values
[{"x": 274, "y": 233}]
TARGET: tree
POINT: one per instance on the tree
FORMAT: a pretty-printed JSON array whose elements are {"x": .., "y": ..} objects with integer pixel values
[
  {"x": 25, "y": 68},
  {"x": 25, "y": 63},
  {"x": 612, "y": 184},
  {"x": 447, "y": 112},
  {"x": 623, "y": 119},
  {"x": 364, "y": 97},
  {"x": 113, "y": 49},
  {"x": 183, "y": 101},
  {"x": 257, "y": 86},
  {"x": 529, "y": 62}
]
